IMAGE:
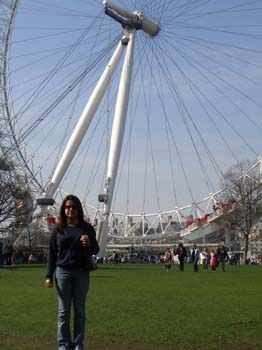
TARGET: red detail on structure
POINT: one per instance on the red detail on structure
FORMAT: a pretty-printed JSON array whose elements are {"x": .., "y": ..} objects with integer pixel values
[
  {"x": 203, "y": 219},
  {"x": 51, "y": 220}
]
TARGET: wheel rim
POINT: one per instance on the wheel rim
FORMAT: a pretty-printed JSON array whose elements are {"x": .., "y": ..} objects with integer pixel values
[{"x": 211, "y": 51}]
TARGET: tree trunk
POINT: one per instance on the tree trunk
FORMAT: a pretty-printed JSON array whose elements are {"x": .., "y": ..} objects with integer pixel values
[{"x": 246, "y": 247}]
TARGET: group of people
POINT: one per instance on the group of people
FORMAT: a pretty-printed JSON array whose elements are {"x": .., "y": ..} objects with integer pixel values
[
  {"x": 212, "y": 258},
  {"x": 6, "y": 251},
  {"x": 11, "y": 256}
]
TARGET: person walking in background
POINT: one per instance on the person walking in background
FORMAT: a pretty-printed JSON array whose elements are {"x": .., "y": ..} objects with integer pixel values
[
  {"x": 182, "y": 254},
  {"x": 213, "y": 257},
  {"x": 168, "y": 259},
  {"x": 69, "y": 240},
  {"x": 195, "y": 257},
  {"x": 205, "y": 259},
  {"x": 222, "y": 256},
  {"x": 1, "y": 253},
  {"x": 8, "y": 251}
]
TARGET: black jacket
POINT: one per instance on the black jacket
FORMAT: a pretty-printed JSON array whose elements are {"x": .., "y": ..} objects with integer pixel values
[
  {"x": 181, "y": 252},
  {"x": 66, "y": 250}
]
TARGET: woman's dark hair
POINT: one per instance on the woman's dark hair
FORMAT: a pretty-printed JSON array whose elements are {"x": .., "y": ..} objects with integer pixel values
[{"x": 63, "y": 219}]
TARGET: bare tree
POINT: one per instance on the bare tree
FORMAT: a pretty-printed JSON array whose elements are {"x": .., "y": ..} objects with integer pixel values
[
  {"x": 13, "y": 196},
  {"x": 7, "y": 191},
  {"x": 243, "y": 187}
]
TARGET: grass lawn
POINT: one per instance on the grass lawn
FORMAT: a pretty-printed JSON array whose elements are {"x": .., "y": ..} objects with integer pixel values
[{"x": 140, "y": 307}]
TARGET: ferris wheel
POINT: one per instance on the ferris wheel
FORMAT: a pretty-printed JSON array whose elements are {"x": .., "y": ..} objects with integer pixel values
[{"x": 146, "y": 103}]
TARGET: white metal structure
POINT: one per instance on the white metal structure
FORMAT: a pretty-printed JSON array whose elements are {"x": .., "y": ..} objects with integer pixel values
[
  {"x": 194, "y": 99},
  {"x": 5, "y": 37}
]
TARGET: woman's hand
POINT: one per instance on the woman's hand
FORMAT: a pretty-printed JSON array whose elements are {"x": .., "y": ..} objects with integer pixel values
[
  {"x": 48, "y": 283},
  {"x": 85, "y": 239}
]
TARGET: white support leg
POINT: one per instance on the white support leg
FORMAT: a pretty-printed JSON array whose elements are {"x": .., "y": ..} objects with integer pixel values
[
  {"x": 83, "y": 123},
  {"x": 227, "y": 237},
  {"x": 260, "y": 169},
  {"x": 117, "y": 137}
]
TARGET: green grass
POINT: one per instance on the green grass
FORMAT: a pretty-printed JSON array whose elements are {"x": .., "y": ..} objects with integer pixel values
[{"x": 140, "y": 307}]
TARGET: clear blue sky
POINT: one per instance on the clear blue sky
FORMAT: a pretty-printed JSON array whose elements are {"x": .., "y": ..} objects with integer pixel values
[{"x": 195, "y": 105}]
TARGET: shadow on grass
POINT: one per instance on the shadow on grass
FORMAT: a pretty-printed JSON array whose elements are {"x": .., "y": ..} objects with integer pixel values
[{"x": 50, "y": 343}]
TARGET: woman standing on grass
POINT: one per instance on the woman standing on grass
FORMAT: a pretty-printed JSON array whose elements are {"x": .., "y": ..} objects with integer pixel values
[
  {"x": 71, "y": 236},
  {"x": 213, "y": 260},
  {"x": 168, "y": 259},
  {"x": 205, "y": 259}
]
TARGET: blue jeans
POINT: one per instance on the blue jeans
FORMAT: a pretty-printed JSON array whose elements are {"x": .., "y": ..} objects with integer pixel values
[
  {"x": 72, "y": 287},
  {"x": 205, "y": 264},
  {"x": 196, "y": 264}
]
